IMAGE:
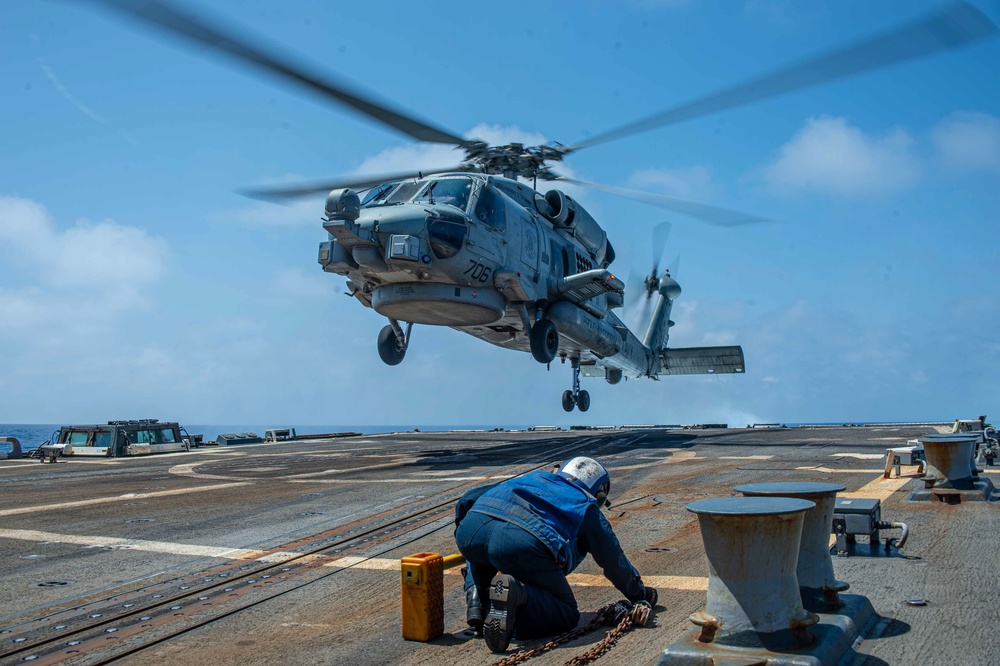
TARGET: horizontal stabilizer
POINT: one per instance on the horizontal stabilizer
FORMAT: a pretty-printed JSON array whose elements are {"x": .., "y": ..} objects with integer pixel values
[{"x": 702, "y": 361}]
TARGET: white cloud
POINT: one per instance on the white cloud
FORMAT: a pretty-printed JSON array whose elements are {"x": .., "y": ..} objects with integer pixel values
[
  {"x": 685, "y": 183},
  {"x": 968, "y": 141},
  {"x": 68, "y": 281},
  {"x": 831, "y": 157},
  {"x": 412, "y": 157},
  {"x": 498, "y": 135}
]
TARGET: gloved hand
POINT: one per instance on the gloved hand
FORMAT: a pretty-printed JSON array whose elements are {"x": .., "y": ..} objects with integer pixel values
[
  {"x": 617, "y": 613},
  {"x": 650, "y": 596}
]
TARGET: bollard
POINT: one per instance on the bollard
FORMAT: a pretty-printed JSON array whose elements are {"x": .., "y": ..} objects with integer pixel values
[
  {"x": 819, "y": 587},
  {"x": 949, "y": 460},
  {"x": 422, "y": 594},
  {"x": 950, "y": 476},
  {"x": 754, "y": 613},
  {"x": 752, "y": 544}
]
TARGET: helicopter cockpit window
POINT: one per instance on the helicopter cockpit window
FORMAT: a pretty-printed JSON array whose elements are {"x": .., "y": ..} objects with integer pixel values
[
  {"x": 446, "y": 238},
  {"x": 490, "y": 209},
  {"x": 378, "y": 194},
  {"x": 454, "y": 191},
  {"x": 404, "y": 192}
]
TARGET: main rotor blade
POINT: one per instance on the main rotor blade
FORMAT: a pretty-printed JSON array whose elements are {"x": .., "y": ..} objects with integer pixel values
[
  {"x": 721, "y": 217},
  {"x": 197, "y": 29},
  {"x": 953, "y": 28},
  {"x": 283, "y": 192},
  {"x": 661, "y": 232},
  {"x": 675, "y": 267}
]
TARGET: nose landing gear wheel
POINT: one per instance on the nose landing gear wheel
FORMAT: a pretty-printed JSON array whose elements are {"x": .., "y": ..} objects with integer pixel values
[
  {"x": 583, "y": 401},
  {"x": 390, "y": 350},
  {"x": 567, "y": 401},
  {"x": 544, "y": 339}
]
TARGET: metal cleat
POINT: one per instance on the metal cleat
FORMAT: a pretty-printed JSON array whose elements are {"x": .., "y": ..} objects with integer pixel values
[
  {"x": 819, "y": 587},
  {"x": 15, "y": 448},
  {"x": 754, "y": 612},
  {"x": 951, "y": 476},
  {"x": 752, "y": 546},
  {"x": 49, "y": 453}
]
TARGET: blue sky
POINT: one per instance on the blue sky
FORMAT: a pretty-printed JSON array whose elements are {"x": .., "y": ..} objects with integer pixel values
[{"x": 134, "y": 282}]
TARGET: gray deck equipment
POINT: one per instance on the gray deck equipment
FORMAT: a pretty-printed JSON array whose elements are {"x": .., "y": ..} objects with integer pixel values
[{"x": 951, "y": 476}]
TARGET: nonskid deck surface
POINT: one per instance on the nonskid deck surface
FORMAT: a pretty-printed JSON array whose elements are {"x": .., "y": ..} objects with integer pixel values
[{"x": 289, "y": 552}]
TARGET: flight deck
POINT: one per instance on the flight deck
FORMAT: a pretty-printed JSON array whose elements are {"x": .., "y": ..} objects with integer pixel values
[{"x": 289, "y": 552}]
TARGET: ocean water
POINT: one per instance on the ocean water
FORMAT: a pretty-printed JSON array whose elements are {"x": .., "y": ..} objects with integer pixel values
[{"x": 31, "y": 435}]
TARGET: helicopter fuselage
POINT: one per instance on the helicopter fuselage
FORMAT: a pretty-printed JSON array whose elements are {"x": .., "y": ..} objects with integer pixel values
[{"x": 488, "y": 256}]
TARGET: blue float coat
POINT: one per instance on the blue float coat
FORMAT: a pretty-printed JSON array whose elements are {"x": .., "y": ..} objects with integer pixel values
[{"x": 564, "y": 517}]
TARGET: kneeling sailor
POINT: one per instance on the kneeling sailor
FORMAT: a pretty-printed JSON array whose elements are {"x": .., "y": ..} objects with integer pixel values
[{"x": 538, "y": 528}]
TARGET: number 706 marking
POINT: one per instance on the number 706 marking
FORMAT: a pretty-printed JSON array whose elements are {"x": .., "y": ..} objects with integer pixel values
[{"x": 478, "y": 271}]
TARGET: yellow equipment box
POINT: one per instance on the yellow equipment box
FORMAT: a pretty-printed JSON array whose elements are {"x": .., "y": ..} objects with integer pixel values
[{"x": 422, "y": 596}]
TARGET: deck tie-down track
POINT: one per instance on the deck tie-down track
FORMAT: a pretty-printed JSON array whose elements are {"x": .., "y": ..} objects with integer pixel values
[{"x": 99, "y": 632}]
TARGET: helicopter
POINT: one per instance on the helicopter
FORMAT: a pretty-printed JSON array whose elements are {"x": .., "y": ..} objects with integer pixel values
[{"x": 478, "y": 247}]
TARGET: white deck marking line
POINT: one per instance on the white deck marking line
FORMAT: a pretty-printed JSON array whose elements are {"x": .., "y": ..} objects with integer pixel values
[
  {"x": 188, "y": 470},
  {"x": 830, "y": 470},
  {"x": 119, "y": 498},
  {"x": 859, "y": 456},
  {"x": 431, "y": 480},
  {"x": 141, "y": 544},
  {"x": 678, "y": 457},
  {"x": 400, "y": 462}
]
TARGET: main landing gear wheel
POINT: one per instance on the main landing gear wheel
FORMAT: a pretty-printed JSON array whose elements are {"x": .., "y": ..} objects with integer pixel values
[
  {"x": 544, "y": 340},
  {"x": 575, "y": 397},
  {"x": 390, "y": 350}
]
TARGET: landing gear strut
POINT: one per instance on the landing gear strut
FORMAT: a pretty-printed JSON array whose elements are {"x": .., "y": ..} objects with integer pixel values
[{"x": 576, "y": 397}]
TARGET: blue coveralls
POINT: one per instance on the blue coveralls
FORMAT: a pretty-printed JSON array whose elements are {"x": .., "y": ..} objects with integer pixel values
[{"x": 538, "y": 528}]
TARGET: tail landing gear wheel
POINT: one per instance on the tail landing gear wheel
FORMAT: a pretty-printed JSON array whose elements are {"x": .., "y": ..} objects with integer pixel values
[
  {"x": 544, "y": 340},
  {"x": 568, "y": 401},
  {"x": 583, "y": 400},
  {"x": 389, "y": 349}
]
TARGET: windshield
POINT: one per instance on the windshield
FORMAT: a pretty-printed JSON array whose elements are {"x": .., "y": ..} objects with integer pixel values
[
  {"x": 403, "y": 192},
  {"x": 454, "y": 191},
  {"x": 378, "y": 193}
]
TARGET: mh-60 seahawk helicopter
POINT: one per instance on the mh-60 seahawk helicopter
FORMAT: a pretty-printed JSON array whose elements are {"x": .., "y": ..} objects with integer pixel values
[{"x": 475, "y": 248}]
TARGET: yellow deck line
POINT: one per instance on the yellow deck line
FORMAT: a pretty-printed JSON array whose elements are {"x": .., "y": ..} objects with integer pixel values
[
  {"x": 659, "y": 582},
  {"x": 879, "y": 488}
]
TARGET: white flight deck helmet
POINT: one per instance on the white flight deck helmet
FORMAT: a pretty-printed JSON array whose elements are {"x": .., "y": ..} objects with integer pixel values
[{"x": 588, "y": 474}]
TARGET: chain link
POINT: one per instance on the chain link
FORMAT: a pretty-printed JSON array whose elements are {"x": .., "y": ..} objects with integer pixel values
[{"x": 638, "y": 616}]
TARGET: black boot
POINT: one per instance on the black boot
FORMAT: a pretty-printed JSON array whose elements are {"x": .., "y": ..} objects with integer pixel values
[
  {"x": 475, "y": 612},
  {"x": 507, "y": 596}
]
